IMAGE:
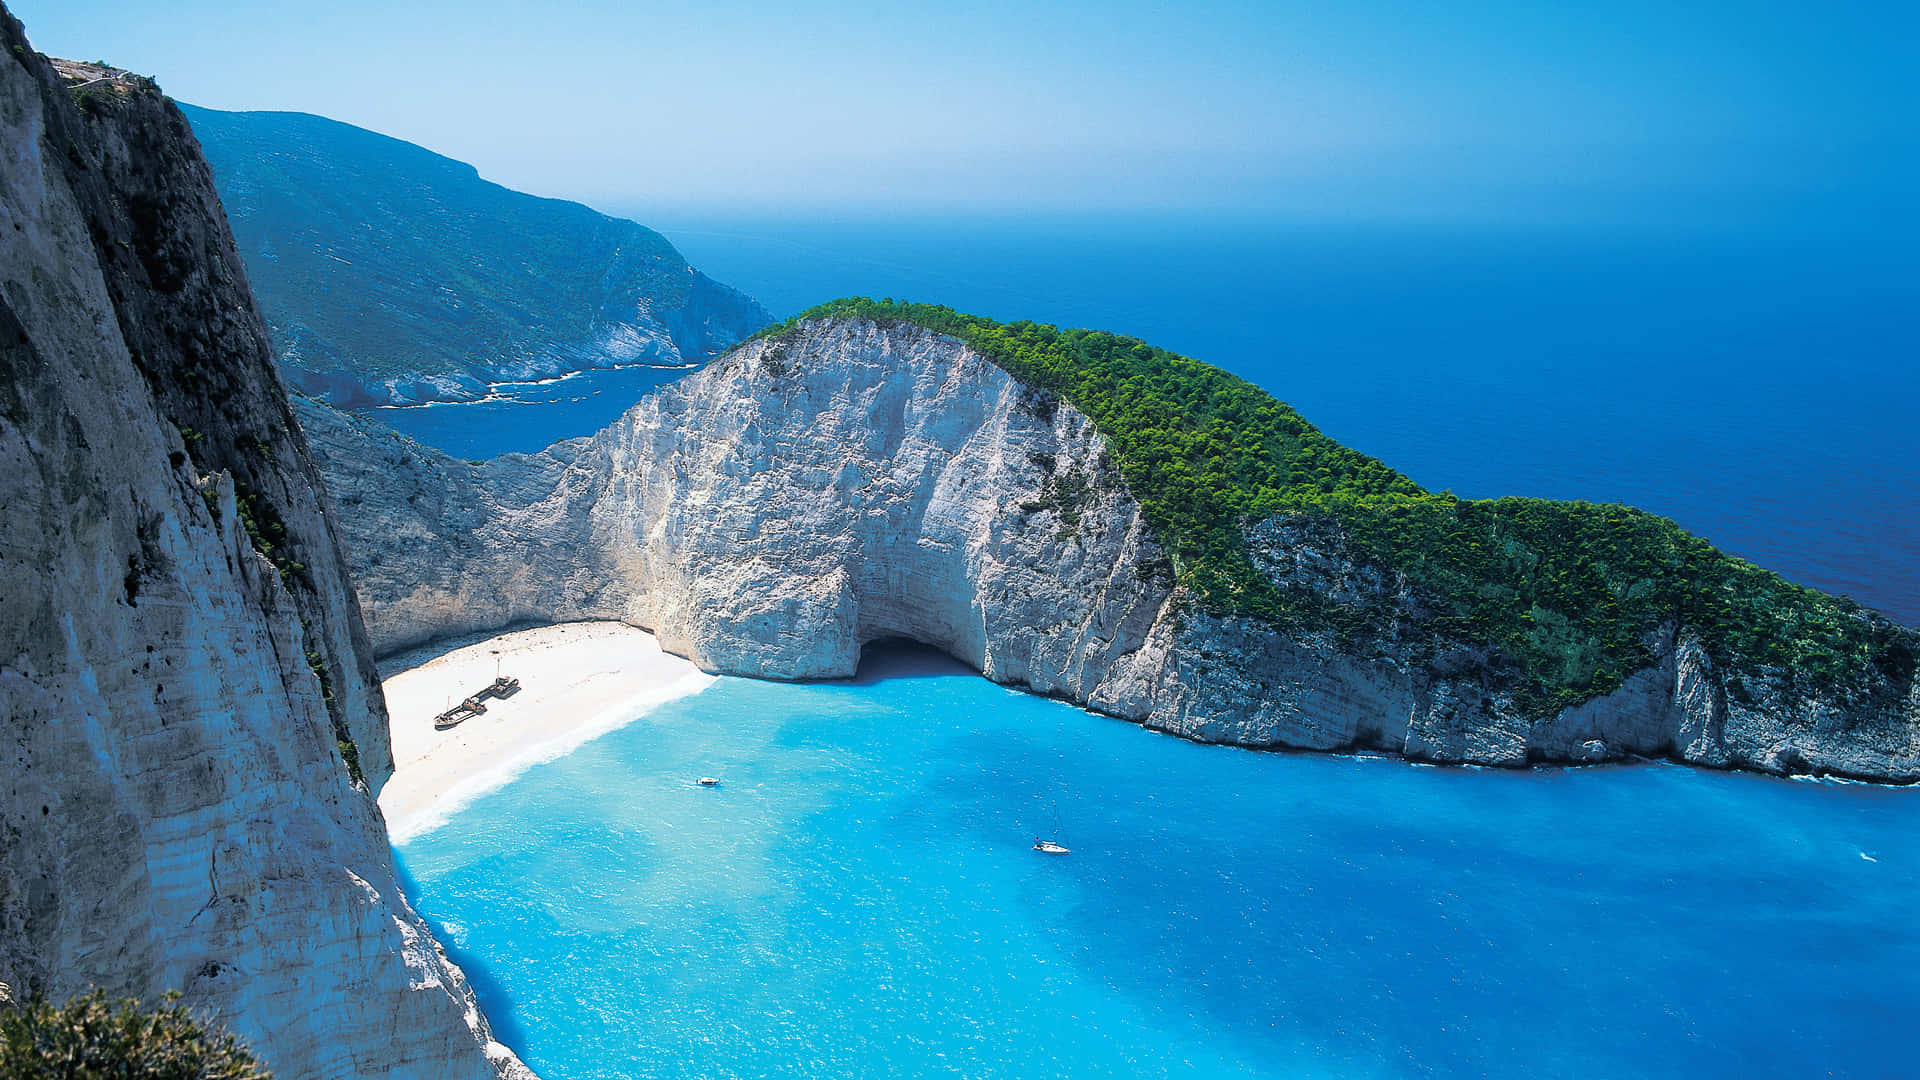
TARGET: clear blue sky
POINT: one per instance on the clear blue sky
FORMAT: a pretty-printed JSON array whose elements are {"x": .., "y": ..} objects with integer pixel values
[{"x": 1343, "y": 109}]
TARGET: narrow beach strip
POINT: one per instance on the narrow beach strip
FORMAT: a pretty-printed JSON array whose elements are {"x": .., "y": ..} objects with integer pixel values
[{"x": 577, "y": 681}]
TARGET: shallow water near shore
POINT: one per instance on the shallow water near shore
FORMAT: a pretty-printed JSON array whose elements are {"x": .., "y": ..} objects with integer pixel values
[{"x": 860, "y": 898}]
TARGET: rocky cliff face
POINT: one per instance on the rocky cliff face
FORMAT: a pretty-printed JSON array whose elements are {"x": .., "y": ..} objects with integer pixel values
[
  {"x": 772, "y": 514},
  {"x": 800, "y": 497},
  {"x": 188, "y": 705},
  {"x": 454, "y": 283}
]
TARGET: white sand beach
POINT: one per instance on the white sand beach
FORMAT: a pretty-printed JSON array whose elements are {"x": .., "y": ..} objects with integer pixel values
[{"x": 577, "y": 681}]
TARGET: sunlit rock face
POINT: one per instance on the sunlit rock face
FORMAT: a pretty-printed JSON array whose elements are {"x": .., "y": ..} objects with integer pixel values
[
  {"x": 852, "y": 482},
  {"x": 774, "y": 513},
  {"x": 193, "y": 730}
]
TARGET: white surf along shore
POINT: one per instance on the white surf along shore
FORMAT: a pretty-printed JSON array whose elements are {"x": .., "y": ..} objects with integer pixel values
[{"x": 577, "y": 681}]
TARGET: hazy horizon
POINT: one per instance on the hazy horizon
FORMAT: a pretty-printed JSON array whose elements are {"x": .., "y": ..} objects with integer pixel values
[{"x": 1491, "y": 113}]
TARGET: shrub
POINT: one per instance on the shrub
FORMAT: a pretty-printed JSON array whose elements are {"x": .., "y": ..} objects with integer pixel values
[{"x": 90, "y": 1039}]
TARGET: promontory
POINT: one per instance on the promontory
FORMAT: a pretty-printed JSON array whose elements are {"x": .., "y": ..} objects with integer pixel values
[{"x": 1086, "y": 516}]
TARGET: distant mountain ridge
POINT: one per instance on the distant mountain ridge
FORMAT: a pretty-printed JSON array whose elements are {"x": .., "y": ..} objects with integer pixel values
[{"x": 393, "y": 275}]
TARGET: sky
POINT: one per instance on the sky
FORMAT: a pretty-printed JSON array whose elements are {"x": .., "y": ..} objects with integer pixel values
[{"x": 1458, "y": 110}]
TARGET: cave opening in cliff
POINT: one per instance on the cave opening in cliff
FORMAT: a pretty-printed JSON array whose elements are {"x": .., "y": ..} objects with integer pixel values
[{"x": 904, "y": 658}]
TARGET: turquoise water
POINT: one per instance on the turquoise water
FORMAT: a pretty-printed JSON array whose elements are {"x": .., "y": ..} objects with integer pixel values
[{"x": 860, "y": 899}]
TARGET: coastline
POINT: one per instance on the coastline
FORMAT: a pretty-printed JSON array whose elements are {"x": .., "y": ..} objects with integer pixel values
[
  {"x": 494, "y": 397},
  {"x": 577, "y": 681}
]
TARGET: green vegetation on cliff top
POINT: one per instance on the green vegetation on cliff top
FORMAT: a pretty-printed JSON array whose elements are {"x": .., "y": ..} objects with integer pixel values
[
  {"x": 1560, "y": 593},
  {"x": 90, "y": 1038}
]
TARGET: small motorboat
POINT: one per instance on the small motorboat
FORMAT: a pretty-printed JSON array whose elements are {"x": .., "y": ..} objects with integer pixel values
[
  {"x": 708, "y": 781},
  {"x": 1048, "y": 847}
]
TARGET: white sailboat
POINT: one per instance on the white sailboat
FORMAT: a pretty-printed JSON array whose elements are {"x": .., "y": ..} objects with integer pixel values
[{"x": 1052, "y": 846}]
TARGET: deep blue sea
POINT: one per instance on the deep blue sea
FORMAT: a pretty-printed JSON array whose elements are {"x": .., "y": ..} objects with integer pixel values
[
  {"x": 859, "y": 899},
  {"x": 1757, "y": 384}
]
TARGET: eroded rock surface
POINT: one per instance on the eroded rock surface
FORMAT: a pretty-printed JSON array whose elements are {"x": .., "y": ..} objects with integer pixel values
[
  {"x": 801, "y": 497},
  {"x": 188, "y": 708}
]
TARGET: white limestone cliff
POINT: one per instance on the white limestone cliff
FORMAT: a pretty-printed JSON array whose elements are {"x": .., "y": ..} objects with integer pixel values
[{"x": 182, "y": 716}]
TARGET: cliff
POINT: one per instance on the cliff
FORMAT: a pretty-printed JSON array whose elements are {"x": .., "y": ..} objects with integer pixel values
[
  {"x": 392, "y": 275},
  {"x": 853, "y": 480},
  {"x": 194, "y": 730}
]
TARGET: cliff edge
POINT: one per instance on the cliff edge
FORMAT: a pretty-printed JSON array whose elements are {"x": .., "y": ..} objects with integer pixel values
[
  {"x": 855, "y": 479},
  {"x": 188, "y": 704}
]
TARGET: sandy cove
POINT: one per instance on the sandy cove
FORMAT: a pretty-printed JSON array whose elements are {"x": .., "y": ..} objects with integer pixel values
[{"x": 577, "y": 681}]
